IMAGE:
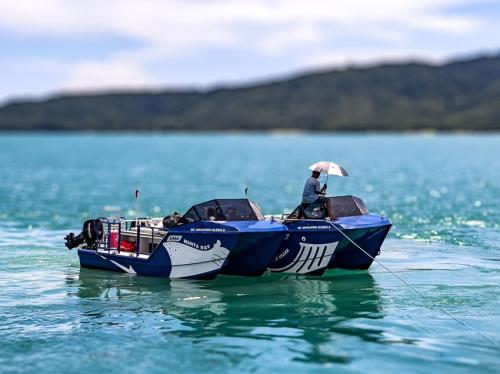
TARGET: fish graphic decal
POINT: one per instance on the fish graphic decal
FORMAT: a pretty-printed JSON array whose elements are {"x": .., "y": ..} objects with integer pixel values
[{"x": 188, "y": 261}]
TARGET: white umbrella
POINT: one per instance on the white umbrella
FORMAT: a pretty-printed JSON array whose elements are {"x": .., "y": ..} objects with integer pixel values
[{"x": 329, "y": 168}]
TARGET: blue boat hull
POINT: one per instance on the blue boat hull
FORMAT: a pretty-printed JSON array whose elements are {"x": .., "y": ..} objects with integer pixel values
[
  {"x": 306, "y": 250},
  {"x": 348, "y": 256},
  {"x": 199, "y": 250},
  {"x": 194, "y": 256},
  {"x": 312, "y": 246},
  {"x": 253, "y": 253},
  {"x": 92, "y": 259}
]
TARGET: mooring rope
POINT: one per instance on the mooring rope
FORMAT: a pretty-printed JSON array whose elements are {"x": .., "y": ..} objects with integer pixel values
[{"x": 486, "y": 337}]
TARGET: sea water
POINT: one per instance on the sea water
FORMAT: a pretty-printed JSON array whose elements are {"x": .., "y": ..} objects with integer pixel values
[{"x": 442, "y": 192}]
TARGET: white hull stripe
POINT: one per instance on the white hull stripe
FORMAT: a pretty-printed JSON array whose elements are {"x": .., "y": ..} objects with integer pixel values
[
  {"x": 129, "y": 270},
  {"x": 310, "y": 257},
  {"x": 186, "y": 261}
]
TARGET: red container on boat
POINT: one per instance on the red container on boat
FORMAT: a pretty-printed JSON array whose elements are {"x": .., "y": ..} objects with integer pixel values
[
  {"x": 113, "y": 239},
  {"x": 127, "y": 246}
]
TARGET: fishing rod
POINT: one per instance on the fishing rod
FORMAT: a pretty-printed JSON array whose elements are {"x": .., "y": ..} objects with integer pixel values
[
  {"x": 432, "y": 303},
  {"x": 495, "y": 343},
  {"x": 137, "y": 206}
]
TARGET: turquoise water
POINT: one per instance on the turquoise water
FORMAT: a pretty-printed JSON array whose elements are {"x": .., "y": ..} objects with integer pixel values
[{"x": 441, "y": 192}]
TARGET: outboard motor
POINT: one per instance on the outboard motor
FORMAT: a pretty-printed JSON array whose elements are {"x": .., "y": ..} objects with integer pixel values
[{"x": 91, "y": 234}]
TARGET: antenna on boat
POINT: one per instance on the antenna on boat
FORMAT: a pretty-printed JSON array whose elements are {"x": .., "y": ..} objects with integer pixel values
[{"x": 137, "y": 206}]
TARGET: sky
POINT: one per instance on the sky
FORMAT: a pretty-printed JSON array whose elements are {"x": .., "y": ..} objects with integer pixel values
[{"x": 56, "y": 46}]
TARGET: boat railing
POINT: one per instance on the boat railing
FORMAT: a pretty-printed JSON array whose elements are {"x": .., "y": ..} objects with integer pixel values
[{"x": 116, "y": 227}]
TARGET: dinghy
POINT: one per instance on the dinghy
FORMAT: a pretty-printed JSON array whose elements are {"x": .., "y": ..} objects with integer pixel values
[{"x": 229, "y": 236}]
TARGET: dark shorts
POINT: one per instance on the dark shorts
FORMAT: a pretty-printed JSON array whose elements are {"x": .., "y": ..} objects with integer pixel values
[{"x": 320, "y": 199}]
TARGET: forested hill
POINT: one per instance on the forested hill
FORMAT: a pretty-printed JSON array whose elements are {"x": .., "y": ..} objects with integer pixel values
[{"x": 462, "y": 95}]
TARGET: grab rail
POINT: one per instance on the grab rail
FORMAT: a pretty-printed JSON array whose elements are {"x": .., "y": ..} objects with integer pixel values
[{"x": 114, "y": 225}]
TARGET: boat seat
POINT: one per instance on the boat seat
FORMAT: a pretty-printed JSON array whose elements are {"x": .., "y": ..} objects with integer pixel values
[
  {"x": 219, "y": 216},
  {"x": 215, "y": 213},
  {"x": 233, "y": 217},
  {"x": 316, "y": 210},
  {"x": 302, "y": 210},
  {"x": 209, "y": 212}
]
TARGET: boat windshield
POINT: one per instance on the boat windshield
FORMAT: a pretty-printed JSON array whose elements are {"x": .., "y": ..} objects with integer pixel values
[
  {"x": 224, "y": 210},
  {"x": 334, "y": 207}
]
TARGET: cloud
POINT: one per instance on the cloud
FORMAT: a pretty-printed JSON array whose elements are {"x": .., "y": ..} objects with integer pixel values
[
  {"x": 92, "y": 76},
  {"x": 292, "y": 36},
  {"x": 300, "y": 32},
  {"x": 189, "y": 24}
]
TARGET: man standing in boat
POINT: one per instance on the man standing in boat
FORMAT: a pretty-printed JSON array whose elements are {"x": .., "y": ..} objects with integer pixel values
[{"x": 312, "y": 192}]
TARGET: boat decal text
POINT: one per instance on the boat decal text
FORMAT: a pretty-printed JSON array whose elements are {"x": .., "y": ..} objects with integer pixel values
[
  {"x": 196, "y": 245},
  {"x": 174, "y": 238},
  {"x": 313, "y": 227},
  {"x": 282, "y": 254},
  {"x": 208, "y": 229}
]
